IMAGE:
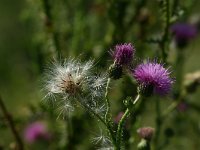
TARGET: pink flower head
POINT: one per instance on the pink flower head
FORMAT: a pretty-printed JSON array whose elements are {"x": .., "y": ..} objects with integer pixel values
[
  {"x": 36, "y": 131},
  {"x": 152, "y": 77},
  {"x": 123, "y": 54},
  {"x": 183, "y": 32},
  {"x": 146, "y": 132}
]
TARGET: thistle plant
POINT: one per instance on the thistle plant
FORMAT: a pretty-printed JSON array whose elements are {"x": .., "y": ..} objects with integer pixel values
[{"x": 73, "y": 82}]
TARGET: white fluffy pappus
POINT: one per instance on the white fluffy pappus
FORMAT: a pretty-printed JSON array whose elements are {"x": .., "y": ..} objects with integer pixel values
[
  {"x": 72, "y": 80},
  {"x": 102, "y": 142}
]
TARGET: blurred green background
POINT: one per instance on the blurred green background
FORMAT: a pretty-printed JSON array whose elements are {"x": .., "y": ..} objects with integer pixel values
[{"x": 34, "y": 32}]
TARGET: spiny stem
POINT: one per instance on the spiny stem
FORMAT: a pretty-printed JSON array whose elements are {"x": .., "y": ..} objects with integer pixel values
[
  {"x": 136, "y": 99},
  {"x": 122, "y": 121},
  {"x": 107, "y": 118},
  {"x": 164, "y": 44},
  {"x": 119, "y": 129},
  {"x": 109, "y": 129},
  {"x": 11, "y": 125}
]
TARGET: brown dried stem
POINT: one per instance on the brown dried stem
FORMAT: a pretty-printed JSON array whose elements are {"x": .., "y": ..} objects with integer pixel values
[{"x": 11, "y": 125}]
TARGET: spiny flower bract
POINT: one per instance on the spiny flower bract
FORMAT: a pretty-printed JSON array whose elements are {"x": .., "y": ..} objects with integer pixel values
[
  {"x": 153, "y": 76},
  {"x": 71, "y": 81}
]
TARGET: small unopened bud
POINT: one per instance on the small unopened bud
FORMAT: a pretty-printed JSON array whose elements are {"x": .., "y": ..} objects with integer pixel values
[
  {"x": 115, "y": 71},
  {"x": 146, "y": 133}
]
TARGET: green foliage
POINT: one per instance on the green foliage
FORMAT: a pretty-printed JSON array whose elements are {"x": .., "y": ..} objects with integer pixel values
[{"x": 36, "y": 32}]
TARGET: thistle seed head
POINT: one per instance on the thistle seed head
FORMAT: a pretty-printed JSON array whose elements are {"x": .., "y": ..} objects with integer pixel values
[{"x": 71, "y": 81}]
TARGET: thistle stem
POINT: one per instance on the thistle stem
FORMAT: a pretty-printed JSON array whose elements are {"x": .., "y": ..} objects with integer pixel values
[
  {"x": 122, "y": 121},
  {"x": 179, "y": 70},
  {"x": 69, "y": 134},
  {"x": 11, "y": 125},
  {"x": 170, "y": 108},
  {"x": 164, "y": 44},
  {"x": 107, "y": 118},
  {"x": 109, "y": 129}
]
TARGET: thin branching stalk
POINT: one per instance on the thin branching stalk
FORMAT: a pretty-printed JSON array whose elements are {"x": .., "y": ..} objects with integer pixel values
[
  {"x": 107, "y": 118},
  {"x": 109, "y": 129},
  {"x": 70, "y": 134},
  {"x": 170, "y": 108},
  {"x": 11, "y": 125},
  {"x": 164, "y": 43},
  {"x": 47, "y": 10},
  {"x": 174, "y": 105},
  {"x": 179, "y": 69},
  {"x": 121, "y": 123}
]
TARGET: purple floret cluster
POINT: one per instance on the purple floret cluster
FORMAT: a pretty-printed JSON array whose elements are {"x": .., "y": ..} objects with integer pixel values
[
  {"x": 36, "y": 131},
  {"x": 152, "y": 74},
  {"x": 123, "y": 54},
  {"x": 183, "y": 32}
]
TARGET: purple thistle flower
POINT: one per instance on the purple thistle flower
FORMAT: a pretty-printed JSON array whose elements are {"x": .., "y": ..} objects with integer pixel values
[
  {"x": 123, "y": 54},
  {"x": 36, "y": 131},
  {"x": 146, "y": 132},
  {"x": 152, "y": 77},
  {"x": 183, "y": 32}
]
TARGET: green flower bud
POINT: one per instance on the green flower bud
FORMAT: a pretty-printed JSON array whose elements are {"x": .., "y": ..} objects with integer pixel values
[{"x": 115, "y": 71}]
